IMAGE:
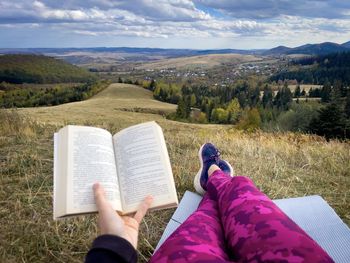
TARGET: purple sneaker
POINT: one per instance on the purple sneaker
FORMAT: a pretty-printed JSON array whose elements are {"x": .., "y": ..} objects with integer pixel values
[{"x": 209, "y": 155}]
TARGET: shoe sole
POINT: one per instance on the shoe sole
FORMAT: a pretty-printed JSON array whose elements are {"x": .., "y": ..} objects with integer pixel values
[
  {"x": 196, "y": 181},
  {"x": 232, "y": 172}
]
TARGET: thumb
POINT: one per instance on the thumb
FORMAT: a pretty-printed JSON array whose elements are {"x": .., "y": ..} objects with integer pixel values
[{"x": 141, "y": 212}]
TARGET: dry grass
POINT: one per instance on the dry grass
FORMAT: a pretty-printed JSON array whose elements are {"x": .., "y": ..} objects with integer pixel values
[
  {"x": 305, "y": 87},
  {"x": 106, "y": 107},
  {"x": 282, "y": 165},
  {"x": 205, "y": 61}
]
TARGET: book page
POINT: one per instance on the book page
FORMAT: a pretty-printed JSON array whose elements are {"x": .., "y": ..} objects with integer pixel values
[
  {"x": 92, "y": 160},
  {"x": 59, "y": 185},
  {"x": 143, "y": 166}
]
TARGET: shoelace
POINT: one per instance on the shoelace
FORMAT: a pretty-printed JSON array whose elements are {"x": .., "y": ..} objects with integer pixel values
[{"x": 216, "y": 156}]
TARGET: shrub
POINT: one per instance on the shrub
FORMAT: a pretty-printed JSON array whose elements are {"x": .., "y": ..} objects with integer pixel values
[
  {"x": 298, "y": 118},
  {"x": 250, "y": 120}
]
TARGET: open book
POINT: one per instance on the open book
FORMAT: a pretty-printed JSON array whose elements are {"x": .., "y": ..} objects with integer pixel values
[{"x": 130, "y": 165}]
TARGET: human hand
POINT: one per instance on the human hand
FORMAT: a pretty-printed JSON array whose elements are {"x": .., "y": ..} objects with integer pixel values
[{"x": 111, "y": 223}]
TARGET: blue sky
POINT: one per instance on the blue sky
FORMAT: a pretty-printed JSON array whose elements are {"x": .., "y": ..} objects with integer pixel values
[{"x": 197, "y": 24}]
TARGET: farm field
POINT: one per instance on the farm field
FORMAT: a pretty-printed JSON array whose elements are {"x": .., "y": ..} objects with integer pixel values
[
  {"x": 281, "y": 164},
  {"x": 205, "y": 61}
]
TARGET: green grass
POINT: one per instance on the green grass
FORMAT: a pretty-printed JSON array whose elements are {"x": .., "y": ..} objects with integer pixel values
[{"x": 282, "y": 165}]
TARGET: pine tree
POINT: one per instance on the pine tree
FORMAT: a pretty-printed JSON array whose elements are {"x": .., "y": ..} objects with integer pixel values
[
  {"x": 283, "y": 98},
  {"x": 347, "y": 106},
  {"x": 181, "y": 109},
  {"x": 187, "y": 106},
  {"x": 267, "y": 98},
  {"x": 326, "y": 92},
  {"x": 254, "y": 97},
  {"x": 331, "y": 121},
  {"x": 152, "y": 85},
  {"x": 297, "y": 92}
]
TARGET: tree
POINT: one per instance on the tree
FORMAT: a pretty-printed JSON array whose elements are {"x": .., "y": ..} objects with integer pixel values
[
  {"x": 283, "y": 98},
  {"x": 298, "y": 118},
  {"x": 187, "y": 105},
  {"x": 267, "y": 98},
  {"x": 254, "y": 97},
  {"x": 347, "y": 106},
  {"x": 330, "y": 123},
  {"x": 219, "y": 115},
  {"x": 181, "y": 109},
  {"x": 152, "y": 85},
  {"x": 297, "y": 92},
  {"x": 193, "y": 100},
  {"x": 156, "y": 92},
  {"x": 326, "y": 92},
  {"x": 234, "y": 111},
  {"x": 250, "y": 121}
]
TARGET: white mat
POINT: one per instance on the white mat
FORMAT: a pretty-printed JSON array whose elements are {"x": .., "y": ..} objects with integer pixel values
[{"x": 311, "y": 213}]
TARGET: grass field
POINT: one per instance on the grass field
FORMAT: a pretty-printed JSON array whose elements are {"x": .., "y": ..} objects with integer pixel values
[
  {"x": 282, "y": 165},
  {"x": 109, "y": 106},
  {"x": 205, "y": 61},
  {"x": 305, "y": 87}
]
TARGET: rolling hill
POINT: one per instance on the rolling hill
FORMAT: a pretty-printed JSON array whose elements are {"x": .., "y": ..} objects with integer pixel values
[
  {"x": 203, "y": 61},
  {"x": 115, "y": 55},
  {"x": 119, "y": 103},
  {"x": 40, "y": 69},
  {"x": 278, "y": 50},
  {"x": 347, "y": 44},
  {"x": 309, "y": 49}
]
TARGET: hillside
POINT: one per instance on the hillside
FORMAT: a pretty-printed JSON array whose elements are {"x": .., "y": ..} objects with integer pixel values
[
  {"x": 277, "y": 50},
  {"x": 309, "y": 49},
  {"x": 104, "y": 56},
  {"x": 347, "y": 44},
  {"x": 282, "y": 165},
  {"x": 319, "y": 69},
  {"x": 39, "y": 69},
  {"x": 318, "y": 49},
  {"x": 119, "y": 103},
  {"x": 204, "y": 61}
]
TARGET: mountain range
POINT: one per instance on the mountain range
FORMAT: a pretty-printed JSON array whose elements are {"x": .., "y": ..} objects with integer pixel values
[{"x": 308, "y": 49}]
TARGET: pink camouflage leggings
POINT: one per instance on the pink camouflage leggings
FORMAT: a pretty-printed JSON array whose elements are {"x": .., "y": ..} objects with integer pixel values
[{"x": 235, "y": 222}]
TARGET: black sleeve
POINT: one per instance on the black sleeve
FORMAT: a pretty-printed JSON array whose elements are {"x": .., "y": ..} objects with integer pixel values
[{"x": 111, "y": 248}]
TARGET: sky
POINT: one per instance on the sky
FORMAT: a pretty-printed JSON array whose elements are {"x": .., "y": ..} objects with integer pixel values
[{"x": 193, "y": 24}]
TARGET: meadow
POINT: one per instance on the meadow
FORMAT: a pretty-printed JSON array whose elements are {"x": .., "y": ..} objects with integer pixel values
[
  {"x": 205, "y": 61},
  {"x": 281, "y": 164}
]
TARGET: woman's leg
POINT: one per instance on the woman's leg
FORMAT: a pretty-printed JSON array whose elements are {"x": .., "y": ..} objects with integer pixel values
[
  {"x": 255, "y": 228},
  {"x": 199, "y": 239}
]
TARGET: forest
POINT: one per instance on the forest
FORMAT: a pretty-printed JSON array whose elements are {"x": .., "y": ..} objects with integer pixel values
[
  {"x": 37, "y": 80},
  {"x": 40, "y": 69},
  {"x": 318, "y": 69},
  {"x": 16, "y": 96}
]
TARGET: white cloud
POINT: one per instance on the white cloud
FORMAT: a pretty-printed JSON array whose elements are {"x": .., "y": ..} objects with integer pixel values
[{"x": 174, "y": 20}]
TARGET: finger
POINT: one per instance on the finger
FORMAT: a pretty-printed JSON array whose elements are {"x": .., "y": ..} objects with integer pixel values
[
  {"x": 100, "y": 198},
  {"x": 143, "y": 208}
]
